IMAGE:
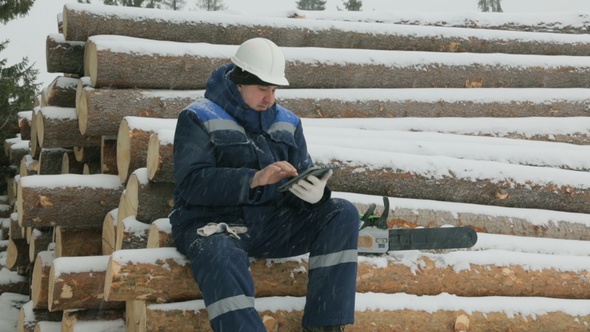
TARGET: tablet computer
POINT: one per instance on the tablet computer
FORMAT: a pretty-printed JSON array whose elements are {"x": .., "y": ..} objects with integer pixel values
[{"x": 316, "y": 171}]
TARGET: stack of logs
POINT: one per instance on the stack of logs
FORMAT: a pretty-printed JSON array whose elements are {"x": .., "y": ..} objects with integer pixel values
[{"x": 85, "y": 217}]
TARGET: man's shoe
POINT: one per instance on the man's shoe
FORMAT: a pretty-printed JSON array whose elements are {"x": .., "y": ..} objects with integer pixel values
[{"x": 334, "y": 328}]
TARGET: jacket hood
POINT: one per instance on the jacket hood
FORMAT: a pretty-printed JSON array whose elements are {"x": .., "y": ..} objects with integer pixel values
[{"x": 222, "y": 91}]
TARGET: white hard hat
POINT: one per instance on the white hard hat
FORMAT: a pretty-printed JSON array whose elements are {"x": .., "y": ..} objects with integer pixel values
[{"x": 262, "y": 58}]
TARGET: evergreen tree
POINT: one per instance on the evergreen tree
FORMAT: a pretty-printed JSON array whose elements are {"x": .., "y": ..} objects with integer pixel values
[
  {"x": 311, "y": 4},
  {"x": 490, "y": 5},
  {"x": 173, "y": 4},
  {"x": 211, "y": 5},
  {"x": 17, "y": 93},
  {"x": 353, "y": 5},
  {"x": 129, "y": 3},
  {"x": 10, "y": 9}
]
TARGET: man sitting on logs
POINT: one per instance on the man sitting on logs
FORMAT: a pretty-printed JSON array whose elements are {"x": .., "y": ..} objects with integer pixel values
[{"x": 233, "y": 149}]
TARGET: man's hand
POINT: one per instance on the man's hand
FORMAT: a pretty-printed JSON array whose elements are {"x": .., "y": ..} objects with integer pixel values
[
  {"x": 311, "y": 189},
  {"x": 273, "y": 173}
]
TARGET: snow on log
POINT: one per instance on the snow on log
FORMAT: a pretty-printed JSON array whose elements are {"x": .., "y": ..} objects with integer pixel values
[
  {"x": 407, "y": 212},
  {"x": 435, "y": 102},
  {"x": 61, "y": 92},
  {"x": 389, "y": 312},
  {"x": 145, "y": 199},
  {"x": 574, "y": 130},
  {"x": 78, "y": 283},
  {"x": 521, "y": 152},
  {"x": 131, "y": 234},
  {"x": 132, "y": 142},
  {"x": 80, "y": 22},
  {"x": 66, "y": 199},
  {"x": 12, "y": 282},
  {"x": 565, "y": 22},
  {"x": 78, "y": 241},
  {"x": 160, "y": 152},
  {"x": 28, "y": 166},
  {"x": 100, "y": 111},
  {"x": 28, "y": 317},
  {"x": 6, "y": 210},
  {"x": 44, "y": 326},
  {"x": 468, "y": 181},
  {"x": 126, "y": 62},
  {"x": 17, "y": 150},
  {"x": 108, "y": 155},
  {"x": 109, "y": 231},
  {"x": 16, "y": 231},
  {"x": 81, "y": 320},
  {"x": 40, "y": 279},
  {"x": 64, "y": 56},
  {"x": 58, "y": 127},
  {"x": 160, "y": 234},
  {"x": 50, "y": 160},
  {"x": 40, "y": 240},
  {"x": 131, "y": 266},
  {"x": 464, "y": 273}
]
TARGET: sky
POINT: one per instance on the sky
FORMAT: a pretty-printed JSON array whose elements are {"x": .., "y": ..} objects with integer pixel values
[{"x": 427, "y": 151}]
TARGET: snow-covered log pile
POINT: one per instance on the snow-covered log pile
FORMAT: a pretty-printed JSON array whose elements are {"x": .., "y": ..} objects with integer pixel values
[{"x": 485, "y": 128}]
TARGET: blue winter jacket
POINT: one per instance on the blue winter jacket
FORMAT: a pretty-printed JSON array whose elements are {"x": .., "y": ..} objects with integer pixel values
[{"x": 220, "y": 143}]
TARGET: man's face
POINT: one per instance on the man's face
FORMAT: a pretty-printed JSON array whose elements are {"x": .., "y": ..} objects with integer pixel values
[{"x": 258, "y": 97}]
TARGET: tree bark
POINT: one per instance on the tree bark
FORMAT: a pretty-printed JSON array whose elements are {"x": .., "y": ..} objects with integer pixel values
[
  {"x": 108, "y": 155},
  {"x": 131, "y": 234},
  {"x": 29, "y": 317},
  {"x": 78, "y": 241},
  {"x": 64, "y": 56},
  {"x": 69, "y": 164},
  {"x": 81, "y": 200},
  {"x": 40, "y": 279},
  {"x": 160, "y": 156},
  {"x": 132, "y": 142},
  {"x": 40, "y": 240},
  {"x": 425, "y": 276},
  {"x": 100, "y": 111},
  {"x": 57, "y": 127},
  {"x": 61, "y": 92},
  {"x": 16, "y": 231},
  {"x": 88, "y": 154},
  {"x": 116, "y": 62},
  {"x": 17, "y": 256},
  {"x": 403, "y": 313},
  {"x": 12, "y": 282},
  {"x": 50, "y": 160},
  {"x": 74, "y": 283},
  {"x": 508, "y": 191},
  {"x": 28, "y": 166},
  {"x": 147, "y": 200},
  {"x": 119, "y": 272},
  {"x": 80, "y": 24}
]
